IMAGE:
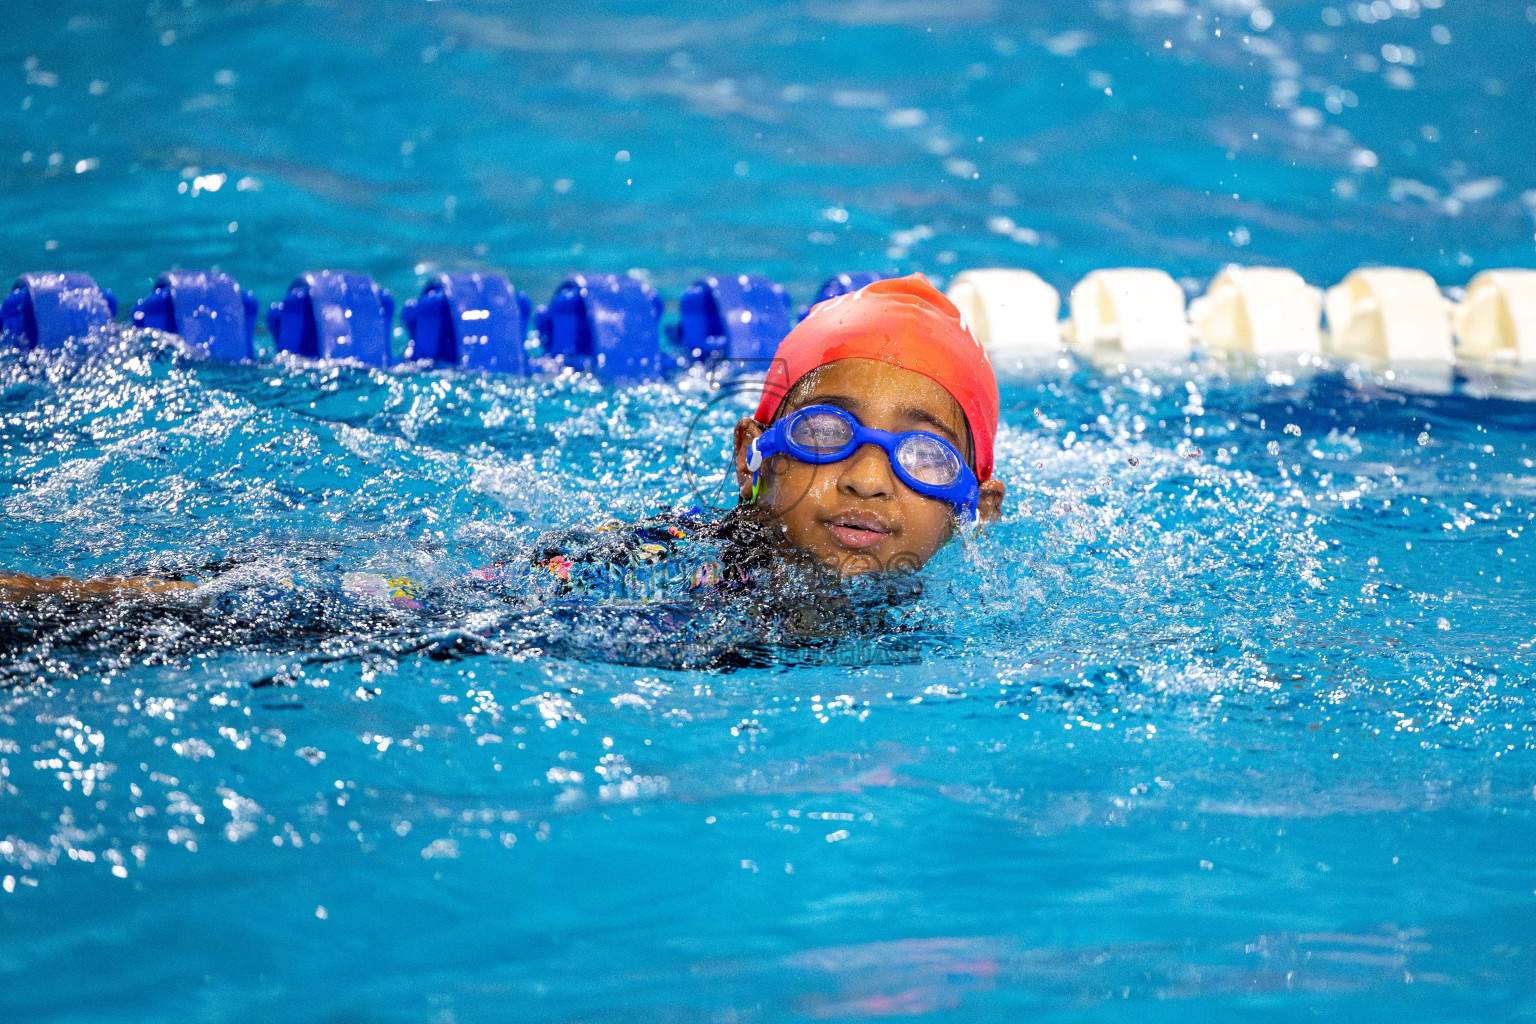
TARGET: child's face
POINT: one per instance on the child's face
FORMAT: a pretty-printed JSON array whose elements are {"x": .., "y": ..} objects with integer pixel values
[{"x": 857, "y": 516}]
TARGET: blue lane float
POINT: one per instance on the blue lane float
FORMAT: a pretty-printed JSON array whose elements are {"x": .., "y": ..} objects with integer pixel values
[
  {"x": 472, "y": 321},
  {"x": 207, "y": 308},
  {"x": 333, "y": 314},
  {"x": 607, "y": 324},
  {"x": 45, "y": 310},
  {"x": 741, "y": 317},
  {"x": 842, "y": 284}
]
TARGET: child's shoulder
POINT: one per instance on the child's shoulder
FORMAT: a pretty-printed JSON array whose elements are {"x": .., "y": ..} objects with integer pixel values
[
  {"x": 597, "y": 557},
  {"x": 611, "y": 539}
]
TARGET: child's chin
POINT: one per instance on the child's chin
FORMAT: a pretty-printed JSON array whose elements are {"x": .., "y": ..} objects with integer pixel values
[{"x": 849, "y": 563}]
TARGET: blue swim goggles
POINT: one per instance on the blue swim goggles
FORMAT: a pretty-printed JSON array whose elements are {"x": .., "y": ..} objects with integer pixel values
[{"x": 820, "y": 434}]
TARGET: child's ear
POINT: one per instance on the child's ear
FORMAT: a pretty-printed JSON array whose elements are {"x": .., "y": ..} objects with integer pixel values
[
  {"x": 989, "y": 504},
  {"x": 747, "y": 431}
]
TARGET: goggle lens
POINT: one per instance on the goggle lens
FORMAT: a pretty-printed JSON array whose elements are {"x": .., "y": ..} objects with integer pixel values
[
  {"x": 929, "y": 461},
  {"x": 822, "y": 433}
]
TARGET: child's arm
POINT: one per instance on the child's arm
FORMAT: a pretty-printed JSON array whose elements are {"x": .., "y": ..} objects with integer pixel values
[{"x": 17, "y": 587}]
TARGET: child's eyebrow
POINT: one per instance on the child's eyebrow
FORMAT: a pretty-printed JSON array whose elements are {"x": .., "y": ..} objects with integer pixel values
[
  {"x": 844, "y": 402},
  {"x": 924, "y": 416}
]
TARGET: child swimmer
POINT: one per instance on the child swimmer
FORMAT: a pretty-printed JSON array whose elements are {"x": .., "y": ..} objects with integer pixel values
[
  {"x": 871, "y": 447},
  {"x": 873, "y": 441}
]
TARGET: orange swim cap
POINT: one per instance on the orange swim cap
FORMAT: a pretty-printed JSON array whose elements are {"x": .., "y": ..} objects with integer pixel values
[{"x": 905, "y": 322}]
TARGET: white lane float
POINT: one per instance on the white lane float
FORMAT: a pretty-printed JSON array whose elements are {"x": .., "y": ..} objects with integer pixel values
[
  {"x": 1263, "y": 312},
  {"x": 1387, "y": 316},
  {"x": 1496, "y": 321},
  {"x": 1129, "y": 313},
  {"x": 1393, "y": 321},
  {"x": 1012, "y": 312}
]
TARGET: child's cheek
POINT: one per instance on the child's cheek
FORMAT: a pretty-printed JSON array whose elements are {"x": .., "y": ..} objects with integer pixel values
[
  {"x": 796, "y": 488},
  {"x": 926, "y": 526}
]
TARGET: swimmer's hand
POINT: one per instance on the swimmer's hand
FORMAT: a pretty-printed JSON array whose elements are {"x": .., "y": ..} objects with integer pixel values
[{"x": 18, "y": 587}]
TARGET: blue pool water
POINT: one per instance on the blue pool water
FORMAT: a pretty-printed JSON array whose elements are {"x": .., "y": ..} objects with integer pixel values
[{"x": 1228, "y": 719}]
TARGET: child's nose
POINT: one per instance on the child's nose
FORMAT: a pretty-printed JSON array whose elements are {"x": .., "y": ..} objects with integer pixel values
[{"x": 867, "y": 473}]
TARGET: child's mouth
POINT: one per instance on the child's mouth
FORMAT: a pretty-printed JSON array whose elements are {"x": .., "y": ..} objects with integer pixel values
[{"x": 857, "y": 530}]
